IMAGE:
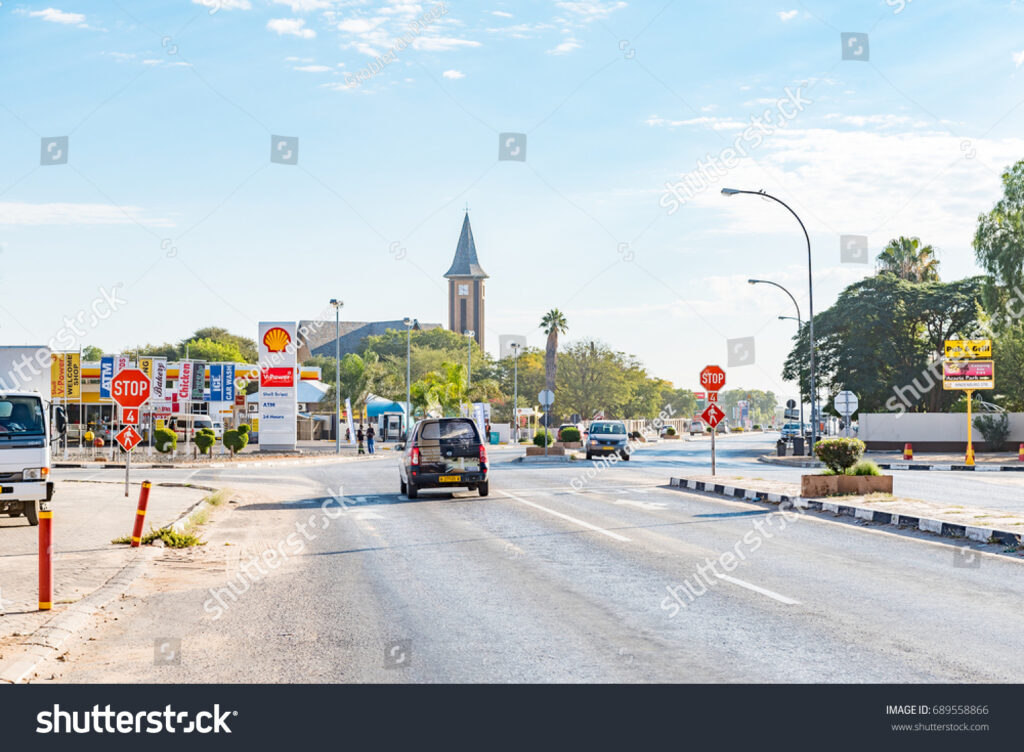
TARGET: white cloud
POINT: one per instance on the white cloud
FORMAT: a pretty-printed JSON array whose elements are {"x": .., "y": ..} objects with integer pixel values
[
  {"x": 718, "y": 124},
  {"x": 292, "y": 26},
  {"x": 565, "y": 47},
  {"x": 359, "y": 25},
  {"x": 442, "y": 44},
  {"x": 304, "y": 6},
  {"x": 591, "y": 10},
  {"x": 215, "y": 5},
  {"x": 59, "y": 16},
  {"x": 293, "y": 59},
  {"x": 788, "y": 15},
  {"x": 1018, "y": 58},
  {"x": 312, "y": 68},
  {"x": 453, "y": 74},
  {"x": 23, "y": 213},
  {"x": 501, "y": 14}
]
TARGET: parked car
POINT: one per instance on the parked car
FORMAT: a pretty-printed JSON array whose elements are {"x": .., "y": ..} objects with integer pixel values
[
  {"x": 444, "y": 453},
  {"x": 607, "y": 437},
  {"x": 181, "y": 423},
  {"x": 696, "y": 426}
]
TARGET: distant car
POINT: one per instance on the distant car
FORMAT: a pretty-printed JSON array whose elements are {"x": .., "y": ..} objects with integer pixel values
[
  {"x": 568, "y": 425},
  {"x": 790, "y": 430},
  {"x": 444, "y": 453},
  {"x": 184, "y": 423},
  {"x": 218, "y": 429},
  {"x": 607, "y": 437},
  {"x": 696, "y": 426}
]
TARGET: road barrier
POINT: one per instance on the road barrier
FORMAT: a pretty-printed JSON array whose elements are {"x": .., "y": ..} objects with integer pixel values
[
  {"x": 908, "y": 451},
  {"x": 45, "y": 556},
  {"x": 140, "y": 514}
]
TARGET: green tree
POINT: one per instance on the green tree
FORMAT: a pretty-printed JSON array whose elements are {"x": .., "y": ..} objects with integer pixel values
[
  {"x": 91, "y": 353},
  {"x": 593, "y": 379},
  {"x": 212, "y": 351},
  {"x": 908, "y": 259},
  {"x": 245, "y": 346},
  {"x": 553, "y": 324},
  {"x": 166, "y": 350},
  {"x": 999, "y": 238}
]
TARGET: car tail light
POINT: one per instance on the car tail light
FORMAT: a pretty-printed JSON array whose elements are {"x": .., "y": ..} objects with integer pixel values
[
  {"x": 414, "y": 456},
  {"x": 483, "y": 454}
]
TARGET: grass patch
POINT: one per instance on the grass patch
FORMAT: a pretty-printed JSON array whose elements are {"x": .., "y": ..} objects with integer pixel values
[
  {"x": 879, "y": 496},
  {"x": 170, "y": 538}
]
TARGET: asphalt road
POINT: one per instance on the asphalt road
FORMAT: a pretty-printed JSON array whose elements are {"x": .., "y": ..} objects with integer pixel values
[{"x": 551, "y": 580}]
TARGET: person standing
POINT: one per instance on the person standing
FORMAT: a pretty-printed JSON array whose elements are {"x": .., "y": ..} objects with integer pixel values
[
  {"x": 359, "y": 439},
  {"x": 370, "y": 435}
]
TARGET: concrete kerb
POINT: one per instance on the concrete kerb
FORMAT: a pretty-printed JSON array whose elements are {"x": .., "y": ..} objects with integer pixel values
[
  {"x": 936, "y": 466},
  {"x": 924, "y": 524},
  {"x": 219, "y": 464}
]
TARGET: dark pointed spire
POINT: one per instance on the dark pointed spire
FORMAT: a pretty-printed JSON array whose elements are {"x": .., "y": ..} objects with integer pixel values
[{"x": 465, "y": 263}]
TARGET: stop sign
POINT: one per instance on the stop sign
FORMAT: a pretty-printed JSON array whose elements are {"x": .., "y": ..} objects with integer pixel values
[
  {"x": 712, "y": 378},
  {"x": 130, "y": 388}
]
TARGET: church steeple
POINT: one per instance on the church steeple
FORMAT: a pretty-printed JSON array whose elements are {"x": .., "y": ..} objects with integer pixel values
[
  {"x": 465, "y": 263},
  {"x": 466, "y": 287}
]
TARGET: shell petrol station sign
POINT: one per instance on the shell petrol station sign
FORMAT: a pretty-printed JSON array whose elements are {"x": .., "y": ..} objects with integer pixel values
[{"x": 278, "y": 385}]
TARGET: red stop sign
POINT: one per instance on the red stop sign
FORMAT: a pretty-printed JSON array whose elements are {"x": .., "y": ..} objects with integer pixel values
[
  {"x": 712, "y": 378},
  {"x": 130, "y": 388}
]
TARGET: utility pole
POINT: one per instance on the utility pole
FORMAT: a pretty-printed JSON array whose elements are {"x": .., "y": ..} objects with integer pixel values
[{"x": 337, "y": 374}]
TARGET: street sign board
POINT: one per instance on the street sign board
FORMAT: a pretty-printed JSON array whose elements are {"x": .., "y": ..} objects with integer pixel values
[
  {"x": 968, "y": 374},
  {"x": 791, "y": 403},
  {"x": 966, "y": 349},
  {"x": 699, "y": 395},
  {"x": 130, "y": 416},
  {"x": 846, "y": 403},
  {"x": 128, "y": 438},
  {"x": 712, "y": 396},
  {"x": 712, "y": 378},
  {"x": 130, "y": 387},
  {"x": 712, "y": 415},
  {"x": 546, "y": 397}
]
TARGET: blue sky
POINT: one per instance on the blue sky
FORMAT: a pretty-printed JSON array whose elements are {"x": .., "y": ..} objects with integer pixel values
[{"x": 169, "y": 190}]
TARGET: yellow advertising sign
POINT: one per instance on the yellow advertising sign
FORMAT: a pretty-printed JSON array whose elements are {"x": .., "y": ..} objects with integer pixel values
[
  {"x": 254, "y": 424},
  {"x": 967, "y": 349},
  {"x": 146, "y": 366},
  {"x": 56, "y": 376},
  {"x": 73, "y": 375}
]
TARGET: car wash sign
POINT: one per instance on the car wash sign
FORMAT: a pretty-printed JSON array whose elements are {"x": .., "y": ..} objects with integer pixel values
[{"x": 278, "y": 387}]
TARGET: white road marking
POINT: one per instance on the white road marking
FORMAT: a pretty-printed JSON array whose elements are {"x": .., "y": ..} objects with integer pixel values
[
  {"x": 649, "y": 505},
  {"x": 574, "y": 520},
  {"x": 757, "y": 589}
]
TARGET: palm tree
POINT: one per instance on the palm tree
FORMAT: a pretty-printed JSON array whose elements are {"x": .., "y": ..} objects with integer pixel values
[
  {"x": 553, "y": 324},
  {"x": 908, "y": 259}
]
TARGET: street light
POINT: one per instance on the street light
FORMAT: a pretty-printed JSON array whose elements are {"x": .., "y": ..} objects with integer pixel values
[
  {"x": 337, "y": 374},
  {"x": 469, "y": 361},
  {"x": 409, "y": 325},
  {"x": 799, "y": 328},
  {"x": 810, "y": 301},
  {"x": 515, "y": 390}
]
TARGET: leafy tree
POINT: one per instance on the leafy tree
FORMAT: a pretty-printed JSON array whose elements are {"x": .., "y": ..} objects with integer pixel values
[
  {"x": 236, "y": 440},
  {"x": 91, "y": 353},
  {"x": 211, "y": 351},
  {"x": 205, "y": 439},
  {"x": 166, "y": 350},
  {"x": 245, "y": 346},
  {"x": 908, "y": 259},
  {"x": 165, "y": 440},
  {"x": 593, "y": 379},
  {"x": 553, "y": 324},
  {"x": 999, "y": 237}
]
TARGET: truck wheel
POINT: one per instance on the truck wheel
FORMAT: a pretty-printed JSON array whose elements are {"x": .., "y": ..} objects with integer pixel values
[
  {"x": 411, "y": 491},
  {"x": 14, "y": 513},
  {"x": 31, "y": 510},
  {"x": 484, "y": 488}
]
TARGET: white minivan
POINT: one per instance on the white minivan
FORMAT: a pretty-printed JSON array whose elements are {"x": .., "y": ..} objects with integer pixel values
[{"x": 181, "y": 422}]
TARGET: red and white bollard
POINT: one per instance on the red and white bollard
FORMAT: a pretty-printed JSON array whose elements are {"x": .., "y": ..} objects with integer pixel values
[
  {"x": 140, "y": 514},
  {"x": 45, "y": 556},
  {"x": 908, "y": 451}
]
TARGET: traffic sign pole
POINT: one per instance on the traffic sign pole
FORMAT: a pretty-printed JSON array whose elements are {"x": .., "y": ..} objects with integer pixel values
[{"x": 713, "y": 432}]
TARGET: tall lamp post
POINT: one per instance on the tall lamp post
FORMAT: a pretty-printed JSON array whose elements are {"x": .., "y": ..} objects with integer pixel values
[
  {"x": 799, "y": 328},
  {"x": 515, "y": 390},
  {"x": 469, "y": 361},
  {"x": 409, "y": 325},
  {"x": 337, "y": 374},
  {"x": 810, "y": 303}
]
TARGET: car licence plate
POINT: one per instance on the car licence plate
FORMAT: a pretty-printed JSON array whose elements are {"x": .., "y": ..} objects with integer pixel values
[{"x": 450, "y": 478}]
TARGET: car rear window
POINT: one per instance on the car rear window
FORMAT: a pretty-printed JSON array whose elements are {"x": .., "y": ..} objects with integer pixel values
[
  {"x": 450, "y": 429},
  {"x": 607, "y": 428}
]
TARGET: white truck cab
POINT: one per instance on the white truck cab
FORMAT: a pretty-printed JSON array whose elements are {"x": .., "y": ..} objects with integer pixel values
[{"x": 26, "y": 433}]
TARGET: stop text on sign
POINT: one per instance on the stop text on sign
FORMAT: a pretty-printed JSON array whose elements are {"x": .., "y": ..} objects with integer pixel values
[{"x": 712, "y": 378}]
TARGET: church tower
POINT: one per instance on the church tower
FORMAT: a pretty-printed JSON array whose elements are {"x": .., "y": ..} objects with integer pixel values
[{"x": 466, "y": 287}]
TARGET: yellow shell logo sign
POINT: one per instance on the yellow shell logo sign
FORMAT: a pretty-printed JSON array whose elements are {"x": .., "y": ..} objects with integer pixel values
[{"x": 276, "y": 339}]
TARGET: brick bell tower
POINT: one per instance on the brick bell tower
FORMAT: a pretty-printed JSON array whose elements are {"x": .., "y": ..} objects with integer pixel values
[{"x": 466, "y": 287}]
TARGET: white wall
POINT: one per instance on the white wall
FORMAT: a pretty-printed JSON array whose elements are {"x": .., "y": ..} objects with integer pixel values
[{"x": 927, "y": 427}]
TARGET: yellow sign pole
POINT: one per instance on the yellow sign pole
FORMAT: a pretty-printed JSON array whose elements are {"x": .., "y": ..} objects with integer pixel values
[{"x": 970, "y": 446}]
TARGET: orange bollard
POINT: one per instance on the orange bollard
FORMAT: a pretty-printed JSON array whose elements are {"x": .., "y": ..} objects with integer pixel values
[
  {"x": 45, "y": 556},
  {"x": 1020, "y": 453},
  {"x": 140, "y": 514},
  {"x": 908, "y": 451}
]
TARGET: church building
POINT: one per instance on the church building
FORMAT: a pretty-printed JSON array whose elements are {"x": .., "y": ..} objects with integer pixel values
[{"x": 466, "y": 288}]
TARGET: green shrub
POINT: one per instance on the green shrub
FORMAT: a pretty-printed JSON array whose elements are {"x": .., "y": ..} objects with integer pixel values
[
  {"x": 839, "y": 454},
  {"x": 756, "y": 427},
  {"x": 205, "y": 439},
  {"x": 995, "y": 429},
  {"x": 670, "y": 431},
  {"x": 236, "y": 439},
  {"x": 570, "y": 434},
  {"x": 865, "y": 467},
  {"x": 165, "y": 440},
  {"x": 543, "y": 438},
  {"x": 244, "y": 428}
]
